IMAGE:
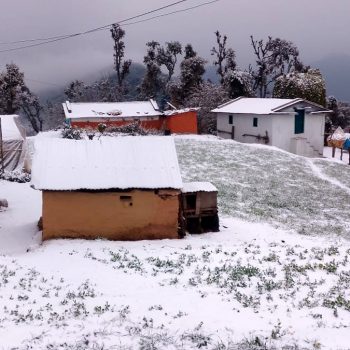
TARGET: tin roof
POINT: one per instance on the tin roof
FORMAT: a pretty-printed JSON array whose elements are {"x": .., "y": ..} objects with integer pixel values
[
  {"x": 87, "y": 110},
  {"x": 243, "y": 105},
  {"x": 144, "y": 162},
  {"x": 189, "y": 187},
  {"x": 252, "y": 105}
]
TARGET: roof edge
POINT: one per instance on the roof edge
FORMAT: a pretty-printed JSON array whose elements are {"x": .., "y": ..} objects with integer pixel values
[{"x": 296, "y": 100}]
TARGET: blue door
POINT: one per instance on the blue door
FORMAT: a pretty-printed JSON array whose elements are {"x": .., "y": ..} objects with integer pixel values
[{"x": 299, "y": 121}]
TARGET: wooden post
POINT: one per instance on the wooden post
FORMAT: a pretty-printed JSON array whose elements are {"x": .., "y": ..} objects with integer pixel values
[{"x": 333, "y": 152}]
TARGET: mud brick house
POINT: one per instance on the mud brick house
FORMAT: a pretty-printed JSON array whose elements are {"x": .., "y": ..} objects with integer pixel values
[{"x": 120, "y": 188}]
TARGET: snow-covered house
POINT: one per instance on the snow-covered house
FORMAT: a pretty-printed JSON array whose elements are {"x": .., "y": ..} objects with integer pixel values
[
  {"x": 123, "y": 188},
  {"x": 116, "y": 114},
  {"x": 294, "y": 125}
]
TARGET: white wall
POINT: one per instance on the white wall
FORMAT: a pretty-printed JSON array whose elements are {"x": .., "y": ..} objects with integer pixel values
[
  {"x": 283, "y": 132},
  {"x": 243, "y": 124}
]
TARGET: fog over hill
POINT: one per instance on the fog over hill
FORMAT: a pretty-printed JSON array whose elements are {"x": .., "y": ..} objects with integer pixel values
[{"x": 335, "y": 69}]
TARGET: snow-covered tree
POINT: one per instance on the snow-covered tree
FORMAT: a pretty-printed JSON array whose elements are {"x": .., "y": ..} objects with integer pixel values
[
  {"x": 207, "y": 97},
  {"x": 309, "y": 85},
  {"x": 235, "y": 82},
  {"x": 76, "y": 91},
  {"x": 192, "y": 69},
  {"x": 152, "y": 83},
  {"x": 32, "y": 110},
  {"x": 121, "y": 66},
  {"x": 225, "y": 58},
  {"x": 16, "y": 97},
  {"x": 12, "y": 86},
  {"x": 104, "y": 90},
  {"x": 238, "y": 83},
  {"x": 340, "y": 115},
  {"x": 274, "y": 58},
  {"x": 167, "y": 56}
]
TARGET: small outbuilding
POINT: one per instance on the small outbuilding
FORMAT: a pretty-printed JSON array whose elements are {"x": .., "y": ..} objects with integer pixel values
[
  {"x": 294, "y": 125},
  {"x": 200, "y": 207},
  {"x": 120, "y": 188}
]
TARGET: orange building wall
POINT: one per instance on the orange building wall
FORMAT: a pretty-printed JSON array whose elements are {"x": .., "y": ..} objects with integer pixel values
[
  {"x": 146, "y": 215},
  {"x": 146, "y": 124},
  {"x": 183, "y": 123}
]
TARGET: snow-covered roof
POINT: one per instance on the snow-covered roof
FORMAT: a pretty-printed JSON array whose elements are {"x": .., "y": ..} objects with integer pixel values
[
  {"x": 180, "y": 111},
  {"x": 9, "y": 127},
  {"x": 248, "y": 105},
  {"x": 107, "y": 163},
  {"x": 85, "y": 110},
  {"x": 189, "y": 187}
]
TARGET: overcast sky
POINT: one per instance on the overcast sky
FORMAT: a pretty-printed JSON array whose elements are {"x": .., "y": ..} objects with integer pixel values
[{"x": 318, "y": 27}]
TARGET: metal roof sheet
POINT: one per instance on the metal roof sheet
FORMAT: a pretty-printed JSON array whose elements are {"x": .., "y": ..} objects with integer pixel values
[
  {"x": 189, "y": 187},
  {"x": 86, "y": 110},
  {"x": 145, "y": 162},
  {"x": 249, "y": 105}
]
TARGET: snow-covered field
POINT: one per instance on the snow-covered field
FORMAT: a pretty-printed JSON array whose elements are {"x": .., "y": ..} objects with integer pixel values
[{"x": 276, "y": 276}]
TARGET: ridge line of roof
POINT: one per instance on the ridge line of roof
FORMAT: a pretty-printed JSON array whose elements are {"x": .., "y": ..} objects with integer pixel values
[
  {"x": 295, "y": 100},
  {"x": 230, "y": 101}
]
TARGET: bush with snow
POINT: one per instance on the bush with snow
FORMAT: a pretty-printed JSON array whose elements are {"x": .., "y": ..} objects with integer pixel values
[{"x": 16, "y": 176}]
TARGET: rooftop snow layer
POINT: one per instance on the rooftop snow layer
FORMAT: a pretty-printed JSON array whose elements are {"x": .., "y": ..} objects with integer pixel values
[
  {"x": 189, "y": 187},
  {"x": 180, "y": 111},
  {"x": 246, "y": 105},
  {"x": 148, "y": 162},
  {"x": 111, "y": 109},
  {"x": 9, "y": 127}
]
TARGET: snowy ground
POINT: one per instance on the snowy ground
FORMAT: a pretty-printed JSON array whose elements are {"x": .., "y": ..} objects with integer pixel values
[{"x": 257, "y": 284}]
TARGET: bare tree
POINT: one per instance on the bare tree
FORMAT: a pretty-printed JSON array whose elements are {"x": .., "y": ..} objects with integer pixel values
[
  {"x": 121, "y": 66},
  {"x": 274, "y": 58},
  {"x": 225, "y": 58},
  {"x": 32, "y": 109}
]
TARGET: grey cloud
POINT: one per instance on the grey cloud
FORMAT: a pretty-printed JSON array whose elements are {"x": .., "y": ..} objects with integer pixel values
[{"x": 318, "y": 27}]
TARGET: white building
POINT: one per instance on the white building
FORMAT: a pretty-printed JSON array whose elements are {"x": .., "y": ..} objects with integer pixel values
[{"x": 294, "y": 125}]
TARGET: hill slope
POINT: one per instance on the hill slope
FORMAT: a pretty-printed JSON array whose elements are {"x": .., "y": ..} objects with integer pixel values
[
  {"x": 260, "y": 183},
  {"x": 251, "y": 286}
]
